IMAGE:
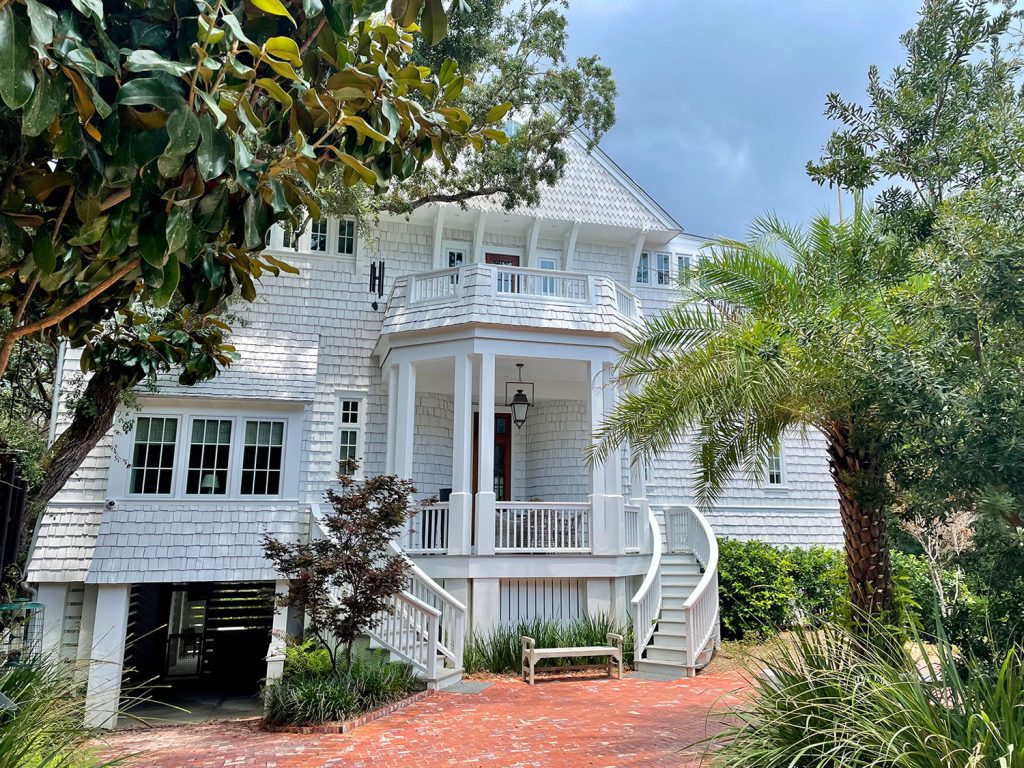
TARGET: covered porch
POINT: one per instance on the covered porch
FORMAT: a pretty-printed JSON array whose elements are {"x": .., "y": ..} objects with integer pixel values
[{"x": 508, "y": 485}]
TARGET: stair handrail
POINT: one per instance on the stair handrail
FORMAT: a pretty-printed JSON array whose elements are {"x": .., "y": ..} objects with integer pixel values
[
  {"x": 700, "y": 610},
  {"x": 646, "y": 603}
]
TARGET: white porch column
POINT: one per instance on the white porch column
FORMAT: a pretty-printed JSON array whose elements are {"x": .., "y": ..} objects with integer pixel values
[
  {"x": 85, "y": 634},
  {"x": 405, "y": 419},
  {"x": 54, "y": 599},
  {"x": 602, "y": 543},
  {"x": 460, "y": 505},
  {"x": 614, "y": 503},
  {"x": 485, "y": 459},
  {"x": 107, "y": 658},
  {"x": 391, "y": 378},
  {"x": 278, "y": 635}
]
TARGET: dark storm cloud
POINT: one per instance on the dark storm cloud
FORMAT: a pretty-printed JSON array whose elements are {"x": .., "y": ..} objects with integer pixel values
[{"x": 721, "y": 103}]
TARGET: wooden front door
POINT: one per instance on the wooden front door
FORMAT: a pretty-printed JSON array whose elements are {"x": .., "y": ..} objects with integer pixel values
[{"x": 502, "y": 455}]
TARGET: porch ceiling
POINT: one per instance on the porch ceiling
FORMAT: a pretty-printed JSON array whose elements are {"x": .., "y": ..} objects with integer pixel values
[{"x": 553, "y": 379}]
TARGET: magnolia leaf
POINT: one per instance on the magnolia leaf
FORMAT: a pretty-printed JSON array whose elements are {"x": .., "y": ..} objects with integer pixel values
[
  {"x": 211, "y": 102},
  {"x": 44, "y": 106},
  {"x": 361, "y": 170},
  {"x": 434, "y": 22},
  {"x": 447, "y": 71},
  {"x": 498, "y": 136},
  {"x": 182, "y": 131},
  {"x": 171, "y": 276},
  {"x": 16, "y": 80},
  {"x": 177, "y": 229},
  {"x": 497, "y": 113},
  {"x": 91, "y": 233},
  {"x": 363, "y": 128},
  {"x": 153, "y": 240},
  {"x": 149, "y": 91},
  {"x": 312, "y": 8},
  {"x": 42, "y": 18},
  {"x": 234, "y": 27},
  {"x": 284, "y": 48},
  {"x": 90, "y": 8},
  {"x": 214, "y": 151},
  {"x": 44, "y": 255},
  {"x": 282, "y": 265},
  {"x": 151, "y": 61},
  {"x": 152, "y": 274},
  {"x": 454, "y": 88},
  {"x": 274, "y": 7},
  {"x": 275, "y": 91},
  {"x": 284, "y": 69},
  {"x": 243, "y": 157},
  {"x": 405, "y": 12},
  {"x": 394, "y": 121}
]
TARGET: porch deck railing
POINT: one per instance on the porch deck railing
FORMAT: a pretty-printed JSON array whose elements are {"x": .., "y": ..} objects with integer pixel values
[
  {"x": 646, "y": 603},
  {"x": 541, "y": 283},
  {"x": 687, "y": 530},
  {"x": 627, "y": 302},
  {"x": 633, "y": 530},
  {"x": 426, "y": 532},
  {"x": 439, "y": 284},
  {"x": 537, "y": 527}
]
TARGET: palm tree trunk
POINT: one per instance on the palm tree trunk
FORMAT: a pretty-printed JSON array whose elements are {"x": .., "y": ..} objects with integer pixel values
[{"x": 862, "y": 509}]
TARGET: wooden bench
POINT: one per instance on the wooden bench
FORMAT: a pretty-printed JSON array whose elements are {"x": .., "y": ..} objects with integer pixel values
[{"x": 532, "y": 654}]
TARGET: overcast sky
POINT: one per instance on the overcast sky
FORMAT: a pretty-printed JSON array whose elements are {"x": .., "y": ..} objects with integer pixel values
[{"x": 720, "y": 101}]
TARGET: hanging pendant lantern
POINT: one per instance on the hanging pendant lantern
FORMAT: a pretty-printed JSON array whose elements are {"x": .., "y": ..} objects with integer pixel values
[{"x": 519, "y": 402}]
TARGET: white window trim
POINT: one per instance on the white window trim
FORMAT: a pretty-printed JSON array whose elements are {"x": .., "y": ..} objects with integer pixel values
[
  {"x": 500, "y": 250},
  {"x": 277, "y": 240},
  {"x": 119, "y": 478},
  {"x": 361, "y": 397},
  {"x": 783, "y": 484},
  {"x": 636, "y": 269},
  {"x": 456, "y": 245}
]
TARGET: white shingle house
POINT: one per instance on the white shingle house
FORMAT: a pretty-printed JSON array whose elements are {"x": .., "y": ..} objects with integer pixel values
[{"x": 404, "y": 349}]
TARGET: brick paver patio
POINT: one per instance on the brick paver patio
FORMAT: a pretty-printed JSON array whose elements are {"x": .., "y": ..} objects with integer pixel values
[{"x": 559, "y": 723}]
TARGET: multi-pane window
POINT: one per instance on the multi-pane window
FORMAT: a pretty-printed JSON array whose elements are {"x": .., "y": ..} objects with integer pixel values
[
  {"x": 456, "y": 257},
  {"x": 262, "y": 458},
  {"x": 547, "y": 283},
  {"x": 288, "y": 237},
  {"x": 643, "y": 269},
  {"x": 153, "y": 454},
  {"x": 347, "y": 237},
  {"x": 683, "y": 267},
  {"x": 775, "y": 466},
  {"x": 208, "y": 457},
  {"x": 350, "y": 423},
  {"x": 663, "y": 274},
  {"x": 318, "y": 235}
]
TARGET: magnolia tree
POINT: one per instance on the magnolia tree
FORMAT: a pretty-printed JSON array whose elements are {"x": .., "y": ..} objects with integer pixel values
[{"x": 151, "y": 146}]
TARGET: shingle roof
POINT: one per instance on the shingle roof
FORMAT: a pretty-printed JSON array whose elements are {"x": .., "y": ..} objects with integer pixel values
[{"x": 65, "y": 541}]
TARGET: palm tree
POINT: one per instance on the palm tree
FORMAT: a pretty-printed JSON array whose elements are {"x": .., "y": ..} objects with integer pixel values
[{"x": 792, "y": 330}]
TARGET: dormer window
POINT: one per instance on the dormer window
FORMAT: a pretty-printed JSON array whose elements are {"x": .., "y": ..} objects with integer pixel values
[
  {"x": 318, "y": 236},
  {"x": 643, "y": 269}
]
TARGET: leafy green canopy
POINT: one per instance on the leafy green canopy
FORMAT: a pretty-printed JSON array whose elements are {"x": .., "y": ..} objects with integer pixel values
[{"x": 151, "y": 144}]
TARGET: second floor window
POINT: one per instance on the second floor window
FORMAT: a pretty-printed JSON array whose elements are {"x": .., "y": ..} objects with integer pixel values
[
  {"x": 683, "y": 267},
  {"x": 208, "y": 457},
  {"x": 774, "y": 475},
  {"x": 347, "y": 237},
  {"x": 153, "y": 454},
  {"x": 350, "y": 429},
  {"x": 663, "y": 271},
  {"x": 643, "y": 269},
  {"x": 318, "y": 236},
  {"x": 262, "y": 458}
]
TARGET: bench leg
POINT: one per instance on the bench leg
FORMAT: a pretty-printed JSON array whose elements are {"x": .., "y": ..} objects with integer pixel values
[
  {"x": 532, "y": 663},
  {"x": 620, "y": 667}
]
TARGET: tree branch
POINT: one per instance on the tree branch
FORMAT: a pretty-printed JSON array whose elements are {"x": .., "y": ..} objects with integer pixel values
[{"x": 445, "y": 197}]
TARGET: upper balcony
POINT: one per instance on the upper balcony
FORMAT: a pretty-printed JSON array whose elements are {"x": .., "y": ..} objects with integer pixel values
[{"x": 493, "y": 294}]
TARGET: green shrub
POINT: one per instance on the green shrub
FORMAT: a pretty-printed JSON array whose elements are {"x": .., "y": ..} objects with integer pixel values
[
  {"x": 831, "y": 699},
  {"x": 310, "y": 698},
  {"x": 46, "y": 730},
  {"x": 307, "y": 657},
  {"x": 499, "y": 650},
  {"x": 819, "y": 578},
  {"x": 756, "y": 590}
]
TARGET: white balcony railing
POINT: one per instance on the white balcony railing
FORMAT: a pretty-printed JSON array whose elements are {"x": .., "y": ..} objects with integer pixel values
[
  {"x": 427, "y": 531},
  {"x": 633, "y": 523},
  {"x": 646, "y": 603},
  {"x": 429, "y": 286},
  {"x": 534, "y": 527},
  {"x": 541, "y": 283},
  {"x": 627, "y": 302}
]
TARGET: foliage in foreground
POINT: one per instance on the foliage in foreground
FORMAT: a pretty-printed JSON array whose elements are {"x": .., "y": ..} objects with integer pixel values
[
  {"x": 319, "y": 695},
  {"x": 832, "y": 700},
  {"x": 499, "y": 650},
  {"x": 46, "y": 730}
]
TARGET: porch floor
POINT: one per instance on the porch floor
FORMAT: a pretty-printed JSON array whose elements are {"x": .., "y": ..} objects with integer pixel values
[{"x": 558, "y": 723}]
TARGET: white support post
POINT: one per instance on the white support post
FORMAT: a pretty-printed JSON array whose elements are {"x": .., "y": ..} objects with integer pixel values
[
  {"x": 392, "y": 384},
  {"x": 531, "y": 248},
  {"x": 614, "y": 503},
  {"x": 405, "y": 420},
  {"x": 599, "y": 484},
  {"x": 486, "y": 605},
  {"x": 439, "y": 260},
  {"x": 54, "y": 598},
  {"x": 107, "y": 658},
  {"x": 460, "y": 505},
  {"x": 638, "y": 248},
  {"x": 278, "y": 635},
  {"x": 570, "y": 246},
  {"x": 485, "y": 459},
  {"x": 85, "y": 634},
  {"x": 478, "y": 238}
]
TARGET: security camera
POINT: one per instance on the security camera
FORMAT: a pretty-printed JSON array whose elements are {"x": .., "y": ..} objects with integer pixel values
[{"x": 111, "y": 504}]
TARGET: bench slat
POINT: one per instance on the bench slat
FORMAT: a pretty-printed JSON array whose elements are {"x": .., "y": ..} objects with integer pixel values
[{"x": 591, "y": 650}]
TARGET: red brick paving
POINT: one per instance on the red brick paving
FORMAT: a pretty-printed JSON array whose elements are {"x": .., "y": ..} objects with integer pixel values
[{"x": 560, "y": 723}]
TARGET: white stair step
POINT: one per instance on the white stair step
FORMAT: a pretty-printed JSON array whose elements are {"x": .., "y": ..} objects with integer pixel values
[
  {"x": 662, "y": 670},
  {"x": 688, "y": 580},
  {"x": 673, "y": 590},
  {"x": 675, "y": 627},
  {"x": 674, "y": 569},
  {"x": 671, "y": 655},
  {"x": 673, "y": 613},
  {"x": 665, "y": 640}
]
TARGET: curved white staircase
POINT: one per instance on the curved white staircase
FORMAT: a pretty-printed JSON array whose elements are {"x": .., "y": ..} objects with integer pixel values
[{"x": 676, "y": 608}]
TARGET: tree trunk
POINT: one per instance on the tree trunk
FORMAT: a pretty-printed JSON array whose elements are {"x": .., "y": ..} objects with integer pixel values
[
  {"x": 92, "y": 419},
  {"x": 862, "y": 508}
]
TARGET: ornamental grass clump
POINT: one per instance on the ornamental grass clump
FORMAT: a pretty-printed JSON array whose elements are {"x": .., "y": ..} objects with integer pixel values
[
  {"x": 832, "y": 699},
  {"x": 314, "y": 696}
]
